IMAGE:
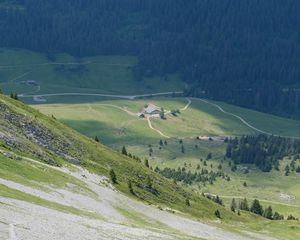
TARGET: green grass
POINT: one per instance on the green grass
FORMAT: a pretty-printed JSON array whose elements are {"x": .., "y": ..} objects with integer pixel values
[
  {"x": 100, "y": 159},
  {"x": 115, "y": 126},
  {"x": 266, "y": 122},
  {"x": 38, "y": 176},
  {"x": 64, "y": 73}
]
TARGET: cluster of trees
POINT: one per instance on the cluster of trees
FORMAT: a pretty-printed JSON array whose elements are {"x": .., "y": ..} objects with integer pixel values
[
  {"x": 258, "y": 209},
  {"x": 292, "y": 166},
  {"x": 217, "y": 47},
  {"x": 187, "y": 177},
  {"x": 147, "y": 184},
  {"x": 14, "y": 95},
  {"x": 216, "y": 198},
  {"x": 262, "y": 150},
  {"x": 124, "y": 152}
]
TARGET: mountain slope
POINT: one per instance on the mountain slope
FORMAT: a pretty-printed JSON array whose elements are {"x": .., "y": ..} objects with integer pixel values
[
  {"x": 217, "y": 47},
  {"x": 54, "y": 185}
]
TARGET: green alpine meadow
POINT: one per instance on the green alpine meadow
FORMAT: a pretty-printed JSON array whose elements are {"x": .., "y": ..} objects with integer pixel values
[{"x": 145, "y": 119}]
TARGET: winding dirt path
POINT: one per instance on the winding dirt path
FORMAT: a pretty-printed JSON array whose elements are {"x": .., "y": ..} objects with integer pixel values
[
  {"x": 243, "y": 120},
  {"x": 156, "y": 130},
  {"x": 187, "y": 106},
  {"x": 236, "y": 116},
  {"x": 130, "y": 97},
  {"x": 167, "y": 113},
  {"x": 18, "y": 77}
]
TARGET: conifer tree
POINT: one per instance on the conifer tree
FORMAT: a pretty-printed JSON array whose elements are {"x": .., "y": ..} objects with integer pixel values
[
  {"x": 268, "y": 213},
  {"x": 217, "y": 214},
  {"x": 147, "y": 163},
  {"x": 244, "y": 205},
  {"x": 256, "y": 207},
  {"x": 287, "y": 170},
  {"x": 113, "y": 176},
  {"x": 124, "y": 151}
]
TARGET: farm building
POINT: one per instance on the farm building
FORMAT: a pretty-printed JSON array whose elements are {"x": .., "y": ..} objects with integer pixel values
[{"x": 152, "y": 109}]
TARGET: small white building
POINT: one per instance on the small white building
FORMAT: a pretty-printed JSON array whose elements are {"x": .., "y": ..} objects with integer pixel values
[{"x": 152, "y": 109}]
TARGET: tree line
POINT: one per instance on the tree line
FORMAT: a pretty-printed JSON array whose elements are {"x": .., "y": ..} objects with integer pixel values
[
  {"x": 217, "y": 47},
  {"x": 264, "y": 151},
  {"x": 182, "y": 175}
]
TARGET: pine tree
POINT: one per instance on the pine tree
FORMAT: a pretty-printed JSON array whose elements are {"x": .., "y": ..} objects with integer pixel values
[
  {"x": 268, "y": 213},
  {"x": 113, "y": 176},
  {"x": 96, "y": 139},
  {"x": 161, "y": 142},
  {"x": 14, "y": 95},
  {"x": 209, "y": 156},
  {"x": 287, "y": 170},
  {"x": 124, "y": 151},
  {"x": 256, "y": 207},
  {"x": 278, "y": 216},
  {"x": 218, "y": 200},
  {"x": 217, "y": 214},
  {"x": 244, "y": 205},
  {"x": 291, "y": 217},
  {"x": 187, "y": 202},
  {"x": 147, "y": 163}
]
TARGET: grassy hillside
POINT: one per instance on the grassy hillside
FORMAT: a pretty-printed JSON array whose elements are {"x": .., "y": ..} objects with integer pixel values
[
  {"x": 22, "y": 130},
  {"x": 116, "y": 127},
  {"x": 63, "y": 73},
  {"x": 110, "y": 121},
  {"x": 25, "y": 136}
]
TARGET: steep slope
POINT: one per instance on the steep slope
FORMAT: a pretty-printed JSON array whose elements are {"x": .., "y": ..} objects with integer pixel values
[
  {"x": 217, "y": 47},
  {"x": 54, "y": 185}
]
